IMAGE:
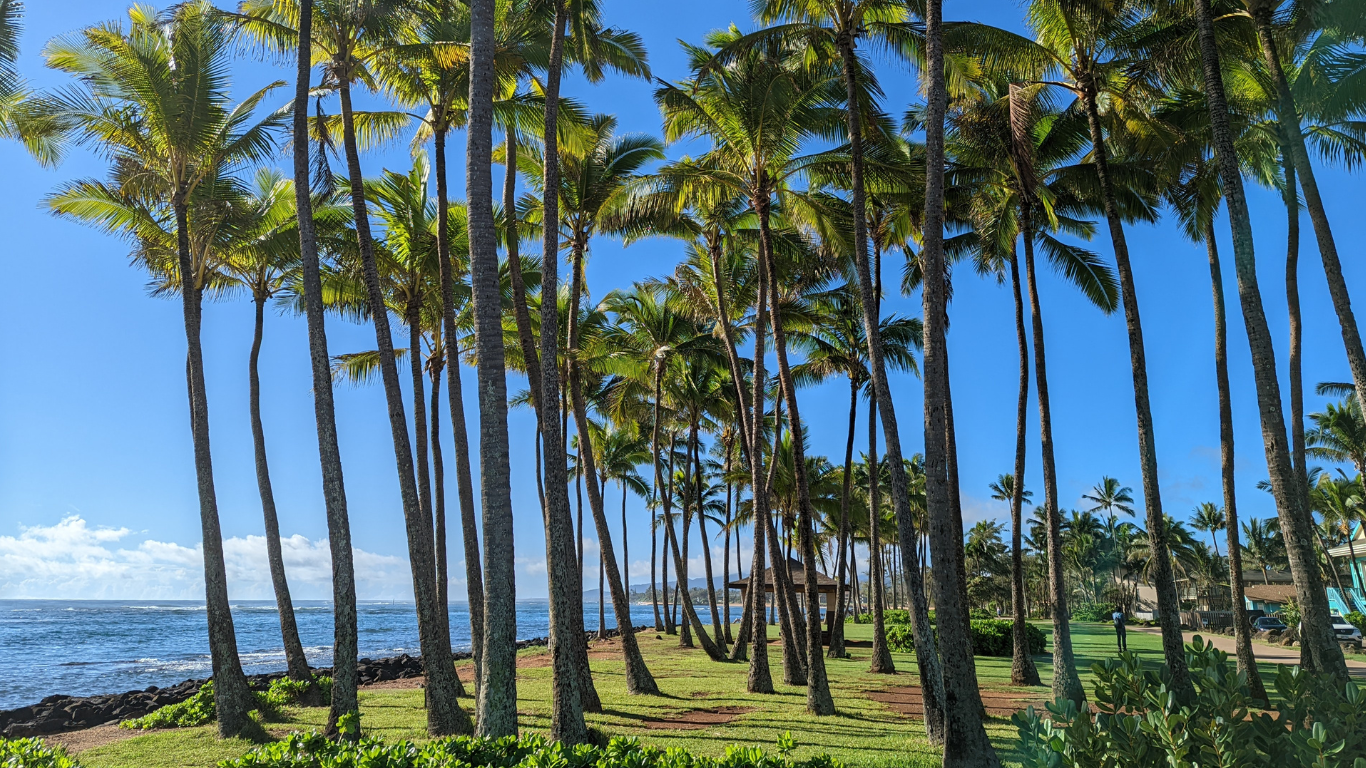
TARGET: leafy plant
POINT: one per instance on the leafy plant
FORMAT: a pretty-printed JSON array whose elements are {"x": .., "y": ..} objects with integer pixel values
[
  {"x": 1290, "y": 613},
  {"x": 1139, "y": 723},
  {"x": 531, "y": 751},
  {"x": 990, "y": 637},
  {"x": 1094, "y": 612},
  {"x": 33, "y": 753},
  {"x": 197, "y": 710},
  {"x": 1357, "y": 619}
]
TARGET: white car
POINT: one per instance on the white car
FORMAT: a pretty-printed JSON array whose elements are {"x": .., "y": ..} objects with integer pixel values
[{"x": 1345, "y": 632}]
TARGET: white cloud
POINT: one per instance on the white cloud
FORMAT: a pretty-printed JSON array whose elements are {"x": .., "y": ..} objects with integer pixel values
[{"x": 74, "y": 561}]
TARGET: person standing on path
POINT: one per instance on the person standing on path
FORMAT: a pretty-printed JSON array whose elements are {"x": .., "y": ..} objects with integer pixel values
[{"x": 1118, "y": 618}]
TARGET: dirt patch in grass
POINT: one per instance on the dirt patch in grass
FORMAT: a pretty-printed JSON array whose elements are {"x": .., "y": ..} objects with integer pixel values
[
  {"x": 76, "y": 742},
  {"x": 908, "y": 700},
  {"x": 697, "y": 719}
]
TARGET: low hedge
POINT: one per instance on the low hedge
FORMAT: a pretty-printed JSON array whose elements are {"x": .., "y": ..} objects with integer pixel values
[
  {"x": 32, "y": 753},
  {"x": 531, "y": 751},
  {"x": 1092, "y": 612},
  {"x": 990, "y": 637}
]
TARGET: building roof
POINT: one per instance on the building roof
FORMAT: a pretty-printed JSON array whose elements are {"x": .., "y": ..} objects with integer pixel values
[
  {"x": 1270, "y": 593},
  {"x": 797, "y": 571}
]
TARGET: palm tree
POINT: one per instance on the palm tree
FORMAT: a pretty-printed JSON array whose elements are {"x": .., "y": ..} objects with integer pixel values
[
  {"x": 1287, "y": 112},
  {"x": 1339, "y": 434},
  {"x": 1109, "y": 496},
  {"x": 834, "y": 345},
  {"x": 594, "y": 185},
  {"x": 1342, "y": 503},
  {"x": 1013, "y": 148},
  {"x": 1085, "y": 45},
  {"x": 427, "y": 74},
  {"x": 1022, "y": 668},
  {"x": 1264, "y": 547},
  {"x": 754, "y": 154},
  {"x": 345, "y": 633},
  {"x": 166, "y": 168},
  {"x": 261, "y": 265},
  {"x": 1287, "y": 486},
  {"x": 619, "y": 451},
  {"x": 1209, "y": 518},
  {"x": 647, "y": 338},
  {"x": 347, "y": 38}
]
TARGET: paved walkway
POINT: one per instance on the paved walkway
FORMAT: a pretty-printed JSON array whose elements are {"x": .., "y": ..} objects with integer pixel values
[{"x": 1271, "y": 654}]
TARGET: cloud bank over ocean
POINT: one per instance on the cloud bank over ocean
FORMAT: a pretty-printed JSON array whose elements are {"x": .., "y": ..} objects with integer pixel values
[{"x": 71, "y": 560}]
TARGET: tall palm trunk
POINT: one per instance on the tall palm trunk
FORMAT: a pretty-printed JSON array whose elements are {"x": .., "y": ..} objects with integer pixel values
[
  {"x": 845, "y": 546},
  {"x": 1164, "y": 578},
  {"x": 794, "y": 657},
  {"x": 927, "y": 658},
  {"x": 1288, "y": 116},
  {"x": 572, "y": 689},
  {"x": 296, "y": 663},
  {"x": 1066, "y": 682},
  {"x": 760, "y": 679},
  {"x": 625, "y": 551},
  {"x": 654, "y": 586},
  {"x": 818, "y": 700},
  {"x": 443, "y": 597},
  {"x": 444, "y": 715},
  {"x": 469, "y": 532},
  {"x": 497, "y": 689},
  {"x": 725, "y": 561},
  {"x": 1022, "y": 668},
  {"x": 1242, "y": 630},
  {"x": 233, "y": 697},
  {"x": 638, "y": 677},
  {"x": 344, "y": 642},
  {"x": 718, "y": 635},
  {"x": 881, "y": 661},
  {"x": 1296, "y": 526},
  {"x": 1290, "y": 196},
  {"x": 671, "y": 541},
  {"x": 965, "y": 740}
]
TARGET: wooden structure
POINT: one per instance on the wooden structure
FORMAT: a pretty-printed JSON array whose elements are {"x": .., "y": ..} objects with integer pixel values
[{"x": 827, "y": 586}]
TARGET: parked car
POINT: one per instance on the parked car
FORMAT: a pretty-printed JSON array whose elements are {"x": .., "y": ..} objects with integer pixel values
[
  {"x": 1268, "y": 624},
  {"x": 1344, "y": 630}
]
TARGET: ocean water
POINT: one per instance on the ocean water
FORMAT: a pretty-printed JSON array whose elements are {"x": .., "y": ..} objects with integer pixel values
[{"x": 88, "y": 647}]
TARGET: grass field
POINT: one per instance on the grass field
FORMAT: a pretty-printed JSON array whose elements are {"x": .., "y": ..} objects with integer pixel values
[{"x": 864, "y": 734}]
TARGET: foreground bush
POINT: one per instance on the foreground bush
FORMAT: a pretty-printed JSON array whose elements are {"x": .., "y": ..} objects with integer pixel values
[
  {"x": 32, "y": 753},
  {"x": 1139, "y": 724},
  {"x": 990, "y": 637},
  {"x": 200, "y": 709},
  {"x": 314, "y": 751}
]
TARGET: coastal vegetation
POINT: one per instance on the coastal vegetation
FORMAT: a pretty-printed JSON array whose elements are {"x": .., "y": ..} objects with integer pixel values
[{"x": 686, "y": 388}]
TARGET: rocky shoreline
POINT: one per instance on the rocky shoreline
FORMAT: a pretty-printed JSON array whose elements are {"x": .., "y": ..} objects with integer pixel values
[{"x": 60, "y": 713}]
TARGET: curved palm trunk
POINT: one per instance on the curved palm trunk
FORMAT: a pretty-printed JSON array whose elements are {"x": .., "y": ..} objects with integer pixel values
[
  {"x": 497, "y": 689},
  {"x": 443, "y": 597},
  {"x": 1022, "y": 668},
  {"x": 654, "y": 586},
  {"x": 1296, "y": 525},
  {"x": 845, "y": 546},
  {"x": 725, "y": 562},
  {"x": 794, "y": 672},
  {"x": 444, "y": 715},
  {"x": 927, "y": 656},
  {"x": 469, "y": 532},
  {"x": 1164, "y": 578},
  {"x": 638, "y": 677},
  {"x": 1291, "y": 198},
  {"x": 233, "y": 697},
  {"x": 345, "y": 637},
  {"x": 1242, "y": 630},
  {"x": 296, "y": 663},
  {"x": 1066, "y": 682}
]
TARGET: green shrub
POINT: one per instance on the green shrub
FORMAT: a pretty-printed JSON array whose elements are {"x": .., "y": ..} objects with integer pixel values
[
  {"x": 197, "y": 710},
  {"x": 896, "y": 616},
  {"x": 992, "y": 637},
  {"x": 33, "y": 753},
  {"x": 1091, "y": 612},
  {"x": 1357, "y": 619},
  {"x": 530, "y": 751},
  {"x": 1140, "y": 724},
  {"x": 200, "y": 708}
]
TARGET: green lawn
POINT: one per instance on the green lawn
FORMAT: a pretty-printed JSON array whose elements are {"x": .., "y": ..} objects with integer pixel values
[{"x": 865, "y": 733}]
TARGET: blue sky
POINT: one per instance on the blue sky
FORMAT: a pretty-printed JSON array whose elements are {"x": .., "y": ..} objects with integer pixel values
[{"x": 97, "y": 491}]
